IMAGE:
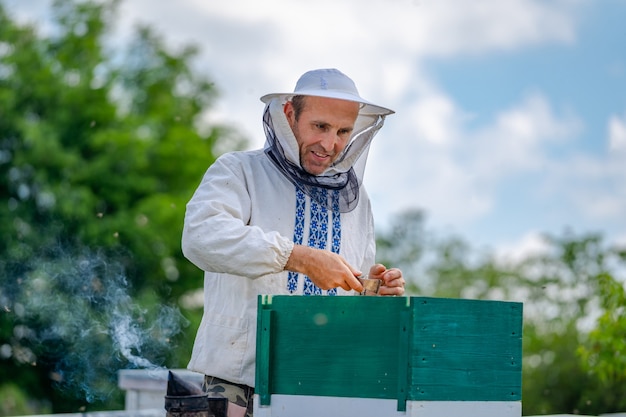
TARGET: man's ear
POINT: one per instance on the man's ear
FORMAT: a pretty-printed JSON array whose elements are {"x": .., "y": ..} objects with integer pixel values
[{"x": 290, "y": 113}]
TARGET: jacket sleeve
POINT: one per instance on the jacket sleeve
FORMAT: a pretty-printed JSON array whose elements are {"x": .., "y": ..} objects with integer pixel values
[{"x": 217, "y": 236}]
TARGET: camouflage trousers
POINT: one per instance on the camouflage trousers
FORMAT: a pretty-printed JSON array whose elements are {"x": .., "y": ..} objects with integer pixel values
[{"x": 236, "y": 393}]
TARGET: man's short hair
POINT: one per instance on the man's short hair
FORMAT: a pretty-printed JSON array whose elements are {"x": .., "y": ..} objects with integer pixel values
[{"x": 298, "y": 102}]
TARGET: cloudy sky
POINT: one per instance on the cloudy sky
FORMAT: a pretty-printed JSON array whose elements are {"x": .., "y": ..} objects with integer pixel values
[{"x": 511, "y": 114}]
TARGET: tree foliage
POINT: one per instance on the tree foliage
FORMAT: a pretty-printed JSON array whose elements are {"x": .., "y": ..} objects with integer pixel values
[{"x": 100, "y": 149}]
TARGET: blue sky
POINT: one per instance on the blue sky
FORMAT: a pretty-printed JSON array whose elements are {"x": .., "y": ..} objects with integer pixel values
[
  {"x": 511, "y": 114},
  {"x": 584, "y": 78}
]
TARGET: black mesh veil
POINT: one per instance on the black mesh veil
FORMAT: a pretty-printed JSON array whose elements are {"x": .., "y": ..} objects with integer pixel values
[{"x": 342, "y": 176}]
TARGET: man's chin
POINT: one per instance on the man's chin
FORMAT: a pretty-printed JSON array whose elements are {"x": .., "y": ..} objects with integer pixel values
[{"x": 314, "y": 169}]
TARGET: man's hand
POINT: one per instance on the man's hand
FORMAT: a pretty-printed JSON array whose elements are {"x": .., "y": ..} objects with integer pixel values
[
  {"x": 326, "y": 269},
  {"x": 392, "y": 280}
]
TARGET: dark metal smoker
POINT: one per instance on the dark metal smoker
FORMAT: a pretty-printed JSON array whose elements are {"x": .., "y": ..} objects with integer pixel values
[{"x": 184, "y": 399}]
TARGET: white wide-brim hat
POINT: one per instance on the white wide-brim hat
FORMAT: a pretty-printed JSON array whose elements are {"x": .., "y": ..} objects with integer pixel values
[{"x": 330, "y": 83}]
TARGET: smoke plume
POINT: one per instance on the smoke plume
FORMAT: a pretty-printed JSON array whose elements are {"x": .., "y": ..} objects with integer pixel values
[{"x": 75, "y": 312}]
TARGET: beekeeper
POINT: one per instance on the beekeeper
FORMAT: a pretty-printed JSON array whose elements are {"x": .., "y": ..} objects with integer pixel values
[{"x": 292, "y": 218}]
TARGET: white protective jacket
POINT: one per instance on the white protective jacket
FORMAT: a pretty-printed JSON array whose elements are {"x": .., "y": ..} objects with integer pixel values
[{"x": 239, "y": 229}]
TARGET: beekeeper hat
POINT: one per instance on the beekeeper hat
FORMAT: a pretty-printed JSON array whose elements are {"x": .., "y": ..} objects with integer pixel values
[{"x": 330, "y": 83}]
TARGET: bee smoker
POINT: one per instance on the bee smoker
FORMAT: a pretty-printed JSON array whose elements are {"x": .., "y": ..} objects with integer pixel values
[{"x": 184, "y": 399}]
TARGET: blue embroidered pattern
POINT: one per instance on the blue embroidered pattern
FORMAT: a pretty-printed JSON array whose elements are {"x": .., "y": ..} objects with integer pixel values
[
  {"x": 318, "y": 234},
  {"x": 298, "y": 235},
  {"x": 336, "y": 244}
]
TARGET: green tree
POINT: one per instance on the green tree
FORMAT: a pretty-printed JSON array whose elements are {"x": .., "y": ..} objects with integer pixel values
[
  {"x": 404, "y": 244},
  {"x": 100, "y": 149},
  {"x": 603, "y": 350},
  {"x": 565, "y": 292}
]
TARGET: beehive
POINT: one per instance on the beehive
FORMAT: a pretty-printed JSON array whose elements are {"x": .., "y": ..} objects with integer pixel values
[{"x": 387, "y": 356}]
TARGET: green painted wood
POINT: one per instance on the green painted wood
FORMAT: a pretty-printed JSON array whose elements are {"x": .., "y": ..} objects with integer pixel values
[
  {"x": 404, "y": 358},
  {"x": 404, "y": 348},
  {"x": 335, "y": 346},
  {"x": 466, "y": 350},
  {"x": 264, "y": 332}
]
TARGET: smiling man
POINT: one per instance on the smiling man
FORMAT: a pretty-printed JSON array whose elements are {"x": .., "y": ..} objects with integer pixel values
[
  {"x": 292, "y": 218},
  {"x": 322, "y": 127}
]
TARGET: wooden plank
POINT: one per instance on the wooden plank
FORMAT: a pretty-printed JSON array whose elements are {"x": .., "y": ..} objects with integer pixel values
[
  {"x": 464, "y": 409},
  {"x": 404, "y": 358},
  {"x": 314, "y": 406},
  {"x": 263, "y": 370},
  {"x": 466, "y": 350},
  {"x": 336, "y": 346}
]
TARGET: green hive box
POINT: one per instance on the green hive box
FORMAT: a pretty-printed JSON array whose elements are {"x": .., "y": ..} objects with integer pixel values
[{"x": 406, "y": 349}]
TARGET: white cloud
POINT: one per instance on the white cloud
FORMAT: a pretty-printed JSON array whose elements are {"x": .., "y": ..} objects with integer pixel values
[
  {"x": 251, "y": 47},
  {"x": 418, "y": 26},
  {"x": 517, "y": 141},
  {"x": 594, "y": 184},
  {"x": 454, "y": 172},
  {"x": 532, "y": 243},
  {"x": 617, "y": 134},
  {"x": 435, "y": 119},
  {"x": 453, "y": 28}
]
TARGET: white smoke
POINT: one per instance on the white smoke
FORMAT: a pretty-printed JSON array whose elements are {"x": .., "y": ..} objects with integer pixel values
[{"x": 75, "y": 315}]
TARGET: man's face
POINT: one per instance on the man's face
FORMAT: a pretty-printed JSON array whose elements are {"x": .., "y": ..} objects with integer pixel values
[{"x": 322, "y": 130}]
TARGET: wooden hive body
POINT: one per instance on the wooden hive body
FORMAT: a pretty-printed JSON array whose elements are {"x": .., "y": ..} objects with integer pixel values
[{"x": 388, "y": 356}]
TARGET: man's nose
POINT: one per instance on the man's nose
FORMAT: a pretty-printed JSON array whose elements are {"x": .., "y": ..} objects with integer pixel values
[{"x": 329, "y": 141}]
